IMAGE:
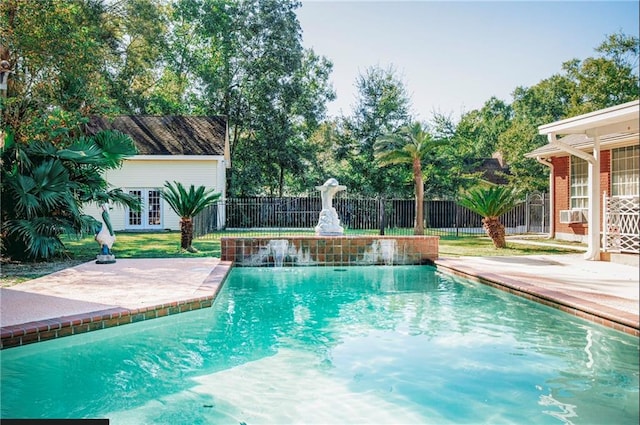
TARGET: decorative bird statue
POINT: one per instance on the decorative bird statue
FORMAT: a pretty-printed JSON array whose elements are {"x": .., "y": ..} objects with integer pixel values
[{"x": 105, "y": 237}]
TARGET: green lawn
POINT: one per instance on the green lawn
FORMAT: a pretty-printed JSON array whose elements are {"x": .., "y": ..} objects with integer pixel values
[
  {"x": 167, "y": 245},
  {"x": 143, "y": 245},
  {"x": 481, "y": 246}
]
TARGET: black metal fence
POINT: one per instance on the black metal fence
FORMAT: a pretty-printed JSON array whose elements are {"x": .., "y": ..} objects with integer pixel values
[{"x": 275, "y": 216}]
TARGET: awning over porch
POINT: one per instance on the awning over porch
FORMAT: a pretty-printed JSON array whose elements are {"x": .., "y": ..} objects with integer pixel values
[{"x": 584, "y": 136}]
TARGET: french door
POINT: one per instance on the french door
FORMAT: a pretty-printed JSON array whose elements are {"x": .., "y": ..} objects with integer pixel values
[{"x": 150, "y": 214}]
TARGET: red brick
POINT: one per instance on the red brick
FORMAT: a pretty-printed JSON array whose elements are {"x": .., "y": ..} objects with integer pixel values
[
  {"x": 29, "y": 338},
  {"x": 66, "y": 331},
  {"x": 44, "y": 336},
  {"x": 11, "y": 342}
]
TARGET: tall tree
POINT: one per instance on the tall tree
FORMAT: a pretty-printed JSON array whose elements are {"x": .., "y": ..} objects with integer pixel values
[
  {"x": 450, "y": 168},
  {"x": 47, "y": 72},
  {"x": 382, "y": 107},
  {"x": 322, "y": 163},
  {"x": 411, "y": 145},
  {"x": 477, "y": 131},
  {"x": 584, "y": 86},
  {"x": 138, "y": 65},
  {"x": 254, "y": 69},
  {"x": 549, "y": 100}
]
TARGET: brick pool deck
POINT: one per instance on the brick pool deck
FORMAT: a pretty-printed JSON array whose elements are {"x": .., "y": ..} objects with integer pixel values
[
  {"x": 599, "y": 291},
  {"x": 97, "y": 296}
]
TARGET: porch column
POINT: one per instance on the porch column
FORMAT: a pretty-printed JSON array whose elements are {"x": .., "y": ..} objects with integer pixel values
[
  {"x": 593, "y": 253},
  {"x": 593, "y": 217},
  {"x": 552, "y": 196}
]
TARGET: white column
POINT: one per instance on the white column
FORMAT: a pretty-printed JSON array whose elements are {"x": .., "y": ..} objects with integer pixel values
[
  {"x": 552, "y": 196},
  {"x": 593, "y": 253},
  {"x": 593, "y": 217}
]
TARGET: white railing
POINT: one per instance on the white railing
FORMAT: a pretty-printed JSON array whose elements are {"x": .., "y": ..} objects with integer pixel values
[{"x": 621, "y": 224}]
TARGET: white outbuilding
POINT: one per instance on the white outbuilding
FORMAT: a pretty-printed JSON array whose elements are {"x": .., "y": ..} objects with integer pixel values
[{"x": 187, "y": 149}]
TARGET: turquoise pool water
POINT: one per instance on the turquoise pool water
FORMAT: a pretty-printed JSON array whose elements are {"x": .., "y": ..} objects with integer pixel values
[{"x": 401, "y": 345}]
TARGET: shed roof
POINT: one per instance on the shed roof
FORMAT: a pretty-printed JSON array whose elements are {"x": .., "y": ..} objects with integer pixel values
[
  {"x": 492, "y": 170},
  {"x": 168, "y": 134}
]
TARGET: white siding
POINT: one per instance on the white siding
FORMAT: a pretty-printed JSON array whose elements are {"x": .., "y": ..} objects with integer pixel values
[
  {"x": 95, "y": 212},
  {"x": 116, "y": 214},
  {"x": 143, "y": 173}
]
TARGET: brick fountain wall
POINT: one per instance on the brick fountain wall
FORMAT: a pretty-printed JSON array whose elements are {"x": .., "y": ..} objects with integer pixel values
[{"x": 329, "y": 250}]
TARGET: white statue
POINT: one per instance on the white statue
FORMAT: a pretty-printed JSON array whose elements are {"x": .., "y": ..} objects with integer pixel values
[
  {"x": 105, "y": 238},
  {"x": 329, "y": 223}
]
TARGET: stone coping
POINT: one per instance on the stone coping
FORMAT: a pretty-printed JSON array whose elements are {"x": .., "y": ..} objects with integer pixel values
[
  {"x": 579, "y": 307},
  {"x": 57, "y": 327}
]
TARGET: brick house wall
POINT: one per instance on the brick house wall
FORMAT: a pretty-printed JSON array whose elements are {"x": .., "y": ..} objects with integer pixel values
[{"x": 562, "y": 187}]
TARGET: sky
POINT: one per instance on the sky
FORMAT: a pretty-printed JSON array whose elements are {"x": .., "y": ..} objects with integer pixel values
[{"x": 453, "y": 56}]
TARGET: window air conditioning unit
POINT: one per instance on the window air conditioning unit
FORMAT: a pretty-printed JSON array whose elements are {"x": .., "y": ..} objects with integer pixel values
[{"x": 572, "y": 216}]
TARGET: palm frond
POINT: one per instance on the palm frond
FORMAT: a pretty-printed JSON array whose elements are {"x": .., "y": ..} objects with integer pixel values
[
  {"x": 37, "y": 238},
  {"x": 52, "y": 184},
  {"x": 188, "y": 203},
  {"x": 409, "y": 143},
  {"x": 82, "y": 151},
  {"x": 490, "y": 202},
  {"x": 40, "y": 149},
  {"x": 115, "y": 147},
  {"x": 20, "y": 189}
]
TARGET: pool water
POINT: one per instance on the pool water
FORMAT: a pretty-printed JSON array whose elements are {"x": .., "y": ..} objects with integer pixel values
[{"x": 401, "y": 345}]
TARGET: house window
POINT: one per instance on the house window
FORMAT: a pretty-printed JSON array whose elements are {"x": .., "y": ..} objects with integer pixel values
[
  {"x": 579, "y": 183},
  {"x": 153, "y": 210},
  {"x": 625, "y": 171},
  {"x": 134, "y": 218},
  {"x": 150, "y": 214}
]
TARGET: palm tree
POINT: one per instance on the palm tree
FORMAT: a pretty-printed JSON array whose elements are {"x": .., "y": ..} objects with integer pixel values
[
  {"x": 45, "y": 185},
  {"x": 491, "y": 203},
  {"x": 187, "y": 204},
  {"x": 410, "y": 145}
]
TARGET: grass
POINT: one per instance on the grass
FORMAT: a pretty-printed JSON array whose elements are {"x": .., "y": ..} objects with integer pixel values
[
  {"x": 167, "y": 245},
  {"x": 143, "y": 245},
  {"x": 480, "y": 246}
]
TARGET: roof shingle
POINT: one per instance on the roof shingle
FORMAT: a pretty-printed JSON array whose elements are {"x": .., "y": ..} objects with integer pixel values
[{"x": 168, "y": 134}]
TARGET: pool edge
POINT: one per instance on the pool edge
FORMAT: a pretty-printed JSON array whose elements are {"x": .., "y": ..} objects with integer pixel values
[
  {"x": 567, "y": 303},
  {"x": 42, "y": 330}
]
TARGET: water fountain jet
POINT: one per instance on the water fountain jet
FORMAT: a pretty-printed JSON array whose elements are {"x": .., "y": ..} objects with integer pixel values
[{"x": 278, "y": 249}]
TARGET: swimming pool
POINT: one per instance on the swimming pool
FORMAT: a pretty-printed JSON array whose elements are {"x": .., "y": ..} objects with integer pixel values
[{"x": 401, "y": 344}]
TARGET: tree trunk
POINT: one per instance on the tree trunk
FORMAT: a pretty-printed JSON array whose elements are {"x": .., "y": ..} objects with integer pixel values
[
  {"x": 381, "y": 217},
  {"x": 495, "y": 230},
  {"x": 418, "y": 229},
  {"x": 281, "y": 182},
  {"x": 186, "y": 233}
]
